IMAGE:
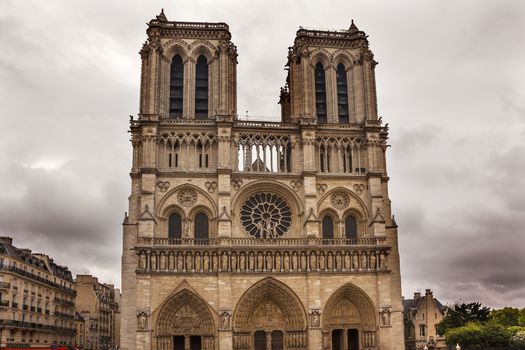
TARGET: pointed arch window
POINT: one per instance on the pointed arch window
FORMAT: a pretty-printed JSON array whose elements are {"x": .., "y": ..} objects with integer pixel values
[
  {"x": 351, "y": 228},
  {"x": 176, "y": 87},
  {"x": 320, "y": 93},
  {"x": 174, "y": 226},
  {"x": 200, "y": 229},
  {"x": 328, "y": 228},
  {"x": 201, "y": 88},
  {"x": 342, "y": 94}
]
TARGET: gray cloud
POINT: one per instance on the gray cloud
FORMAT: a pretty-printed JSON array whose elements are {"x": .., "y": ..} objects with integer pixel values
[{"x": 450, "y": 84}]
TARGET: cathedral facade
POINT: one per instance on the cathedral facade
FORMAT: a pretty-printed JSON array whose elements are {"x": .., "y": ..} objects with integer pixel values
[{"x": 246, "y": 234}]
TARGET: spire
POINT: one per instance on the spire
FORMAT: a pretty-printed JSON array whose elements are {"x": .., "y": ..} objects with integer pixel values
[
  {"x": 162, "y": 17},
  {"x": 353, "y": 28}
]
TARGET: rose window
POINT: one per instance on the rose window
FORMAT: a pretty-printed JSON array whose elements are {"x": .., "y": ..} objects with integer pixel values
[{"x": 266, "y": 215}]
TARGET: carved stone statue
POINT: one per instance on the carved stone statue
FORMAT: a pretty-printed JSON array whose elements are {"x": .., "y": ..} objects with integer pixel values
[
  {"x": 224, "y": 262},
  {"x": 385, "y": 316},
  {"x": 197, "y": 262},
  {"x": 355, "y": 262},
  {"x": 189, "y": 262},
  {"x": 348, "y": 263},
  {"x": 321, "y": 262},
  {"x": 364, "y": 261},
  {"x": 330, "y": 262},
  {"x": 143, "y": 261},
  {"x": 373, "y": 261},
  {"x": 260, "y": 261},
  {"x": 278, "y": 262},
  {"x": 303, "y": 266},
  {"x": 269, "y": 261},
  {"x": 313, "y": 262},
  {"x": 251, "y": 262},
  {"x": 294, "y": 262},
  {"x": 315, "y": 318},
  {"x": 338, "y": 262},
  {"x": 142, "y": 321},
  {"x": 180, "y": 263},
  {"x": 214, "y": 262},
  {"x": 206, "y": 262},
  {"x": 234, "y": 262},
  {"x": 153, "y": 263},
  {"x": 383, "y": 261},
  {"x": 286, "y": 262},
  {"x": 225, "y": 320},
  {"x": 242, "y": 262}
]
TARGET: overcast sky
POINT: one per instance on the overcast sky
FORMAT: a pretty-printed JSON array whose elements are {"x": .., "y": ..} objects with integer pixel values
[{"x": 450, "y": 81}]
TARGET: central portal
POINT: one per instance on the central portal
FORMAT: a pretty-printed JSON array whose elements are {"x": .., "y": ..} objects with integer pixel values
[{"x": 269, "y": 316}]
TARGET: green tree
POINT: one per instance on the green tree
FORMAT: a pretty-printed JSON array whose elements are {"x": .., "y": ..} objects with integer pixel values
[
  {"x": 475, "y": 335},
  {"x": 521, "y": 318},
  {"x": 461, "y": 314},
  {"x": 508, "y": 316}
]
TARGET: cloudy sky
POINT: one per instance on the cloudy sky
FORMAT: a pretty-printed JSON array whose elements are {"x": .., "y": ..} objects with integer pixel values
[{"x": 450, "y": 80}]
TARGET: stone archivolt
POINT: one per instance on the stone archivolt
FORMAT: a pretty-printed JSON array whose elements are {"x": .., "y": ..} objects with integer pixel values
[
  {"x": 184, "y": 314},
  {"x": 269, "y": 305}
]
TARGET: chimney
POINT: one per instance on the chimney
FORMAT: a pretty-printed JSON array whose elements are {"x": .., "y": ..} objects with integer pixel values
[
  {"x": 6, "y": 240},
  {"x": 417, "y": 295},
  {"x": 428, "y": 293}
]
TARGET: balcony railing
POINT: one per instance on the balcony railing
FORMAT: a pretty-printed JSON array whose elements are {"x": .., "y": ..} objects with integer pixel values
[
  {"x": 4, "y": 285},
  {"x": 261, "y": 242},
  {"x": 36, "y": 278}
]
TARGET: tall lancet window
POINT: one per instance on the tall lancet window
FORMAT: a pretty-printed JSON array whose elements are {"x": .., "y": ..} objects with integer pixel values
[
  {"x": 200, "y": 229},
  {"x": 342, "y": 94},
  {"x": 175, "y": 226},
  {"x": 201, "y": 88},
  {"x": 351, "y": 229},
  {"x": 328, "y": 228},
  {"x": 176, "y": 87},
  {"x": 320, "y": 93}
]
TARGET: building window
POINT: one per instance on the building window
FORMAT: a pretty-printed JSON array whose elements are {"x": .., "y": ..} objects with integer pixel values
[
  {"x": 422, "y": 330},
  {"x": 174, "y": 226},
  {"x": 328, "y": 228},
  {"x": 324, "y": 159},
  {"x": 347, "y": 159},
  {"x": 320, "y": 93},
  {"x": 201, "y": 88},
  {"x": 176, "y": 87},
  {"x": 351, "y": 228},
  {"x": 342, "y": 94},
  {"x": 200, "y": 229}
]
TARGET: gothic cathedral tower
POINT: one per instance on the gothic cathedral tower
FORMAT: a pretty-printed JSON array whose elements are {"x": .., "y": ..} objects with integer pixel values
[{"x": 258, "y": 235}]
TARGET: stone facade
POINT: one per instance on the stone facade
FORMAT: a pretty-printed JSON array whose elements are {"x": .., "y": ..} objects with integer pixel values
[
  {"x": 421, "y": 315},
  {"x": 37, "y": 299},
  {"x": 97, "y": 304},
  {"x": 258, "y": 235}
]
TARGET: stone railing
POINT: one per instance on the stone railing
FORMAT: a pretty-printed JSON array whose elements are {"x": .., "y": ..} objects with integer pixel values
[{"x": 299, "y": 258}]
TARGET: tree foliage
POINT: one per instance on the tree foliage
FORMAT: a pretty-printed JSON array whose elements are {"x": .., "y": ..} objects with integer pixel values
[
  {"x": 461, "y": 314},
  {"x": 508, "y": 316},
  {"x": 475, "y": 335}
]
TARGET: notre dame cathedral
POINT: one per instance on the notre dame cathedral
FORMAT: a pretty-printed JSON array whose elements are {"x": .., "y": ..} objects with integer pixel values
[{"x": 245, "y": 234}]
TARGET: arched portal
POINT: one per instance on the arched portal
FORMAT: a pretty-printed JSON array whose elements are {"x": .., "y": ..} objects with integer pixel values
[
  {"x": 186, "y": 323},
  {"x": 349, "y": 320},
  {"x": 269, "y": 313}
]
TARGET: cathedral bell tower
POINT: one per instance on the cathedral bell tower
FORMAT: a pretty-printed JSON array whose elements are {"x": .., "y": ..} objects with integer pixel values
[{"x": 258, "y": 235}]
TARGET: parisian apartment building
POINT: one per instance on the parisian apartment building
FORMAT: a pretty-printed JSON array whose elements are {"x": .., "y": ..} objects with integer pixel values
[
  {"x": 97, "y": 313},
  {"x": 37, "y": 299}
]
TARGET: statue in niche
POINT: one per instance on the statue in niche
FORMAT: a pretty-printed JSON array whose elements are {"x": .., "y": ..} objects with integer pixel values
[
  {"x": 180, "y": 263},
  {"x": 313, "y": 262},
  {"x": 197, "y": 262},
  {"x": 294, "y": 262},
  {"x": 364, "y": 261},
  {"x": 355, "y": 262},
  {"x": 278, "y": 262},
  {"x": 321, "y": 262},
  {"x": 143, "y": 261},
  {"x": 330, "y": 261},
  {"x": 338, "y": 262},
  {"x": 385, "y": 316},
  {"x": 383, "y": 261},
  {"x": 189, "y": 262},
  {"x": 242, "y": 262},
  {"x": 224, "y": 262},
  {"x": 260, "y": 261},
  {"x": 269, "y": 261},
  {"x": 286, "y": 262},
  {"x": 225, "y": 320},
  {"x": 214, "y": 262},
  {"x": 315, "y": 319},
  {"x": 142, "y": 321},
  {"x": 303, "y": 262},
  {"x": 373, "y": 261},
  {"x": 251, "y": 262},
  {"x": 206, "y": 262},
  {"x": 347, "y": 261},
  {"x": 162, "y": 262},
  {"x": 234, "y": 262},
  {"x": 153, "y": 262}
]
